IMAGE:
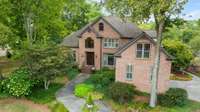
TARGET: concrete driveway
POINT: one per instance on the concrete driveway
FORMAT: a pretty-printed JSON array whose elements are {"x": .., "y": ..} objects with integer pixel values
[
  {"x": 73, "y": 103},
  {"x": 192, "y": 87}
]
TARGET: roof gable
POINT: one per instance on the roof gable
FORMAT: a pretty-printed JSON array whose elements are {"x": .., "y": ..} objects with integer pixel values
[{"x": 121, "y": 50}]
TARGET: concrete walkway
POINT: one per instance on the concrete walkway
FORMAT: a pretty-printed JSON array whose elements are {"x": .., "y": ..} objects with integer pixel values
[
  {"x": 73, "y": 103},
  {"x": 192, "y": 87}
]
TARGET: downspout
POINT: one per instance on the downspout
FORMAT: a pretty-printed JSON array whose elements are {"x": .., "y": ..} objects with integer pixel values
[{"x": 101, "y": 52}]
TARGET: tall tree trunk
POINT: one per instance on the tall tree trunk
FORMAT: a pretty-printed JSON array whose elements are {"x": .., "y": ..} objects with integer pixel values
[{"x": 154, "y": 83}]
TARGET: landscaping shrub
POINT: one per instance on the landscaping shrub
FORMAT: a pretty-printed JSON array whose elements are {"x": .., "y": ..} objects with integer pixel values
[
  {"x": 173, "y": 97},
  {"x": 121, "y": 92},
  {"x": 18, "y": 84},
  {"x": 82, "y": 90},
  {"x": 59, "y": 107},
  {"x": 72, "y": 73},
  {"x": 103, "y": 78}
]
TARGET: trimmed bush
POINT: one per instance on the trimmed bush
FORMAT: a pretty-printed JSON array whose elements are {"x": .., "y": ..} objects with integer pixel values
[
  {"x": 174, "y": 97},
  {"x": 82, "y": 90},
  {"x": 121, "y": 92},
  {"x": 103, "y": 78},
  {"x": 59, "y": 107},
  {"x": 18, "y": 84}
]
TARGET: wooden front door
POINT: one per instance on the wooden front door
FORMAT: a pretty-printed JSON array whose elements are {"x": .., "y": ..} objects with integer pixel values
[{"x": 90, "y": 58}]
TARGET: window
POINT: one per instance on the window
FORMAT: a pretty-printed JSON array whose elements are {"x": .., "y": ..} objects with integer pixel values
[
  {"x": 108, "y": 59},
  {"x": 101, "y": 26},
  {"x": 143, "y": 50},
  {"x": 74, "y": 56},
  {"x": 129, "y": 72},
  {"x": 111, "y": 43},
  {"x": 89, "y": 43}
]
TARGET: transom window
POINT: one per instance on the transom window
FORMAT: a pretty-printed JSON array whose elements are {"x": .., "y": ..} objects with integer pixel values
[
  {"x": 143, "y": 50},
  {"x": 108, "y": 60},
  {"x": 111, "y": 43},
  {"x": 101, "y": 26},
  {"x": 89, "y": 43},
  {"x": 129, "y": 72}
]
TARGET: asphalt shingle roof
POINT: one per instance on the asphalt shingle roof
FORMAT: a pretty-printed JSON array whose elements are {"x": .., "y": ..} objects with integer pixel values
[{"x": 126, "y": 29}]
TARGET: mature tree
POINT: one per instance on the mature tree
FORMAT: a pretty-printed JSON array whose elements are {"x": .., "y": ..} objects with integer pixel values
[
  {"x": 6, "y": 35},
  {"x": 195, "y": 45},
  {"x": 46, "y": 62},
  {"x": 40, "y": 21},
  {"x": 181, "y": 51},
  {"x": 139, "y": 10},
  {"x": 78, "y": 13}
]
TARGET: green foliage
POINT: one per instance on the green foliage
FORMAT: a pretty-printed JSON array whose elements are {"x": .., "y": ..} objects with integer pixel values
[
  {"x": 45, "y": 63},
  {"x": 103, "y": 78},
  {"x": 40, "y": 95},
  {"x": 78, "y": 13},
  {"x": 6, "y": 36},
  {"x": 89, "y": 100},
  {"x": 72, "y": 73},
  {"x": 147, "y": 26},
  {"x": 174, "y": 97},
  {"x": 83, "y": 90},
  {"x": 19, "y": 83},
  {"x": 59, "y": 107},
  {"x": 195, "y": 44},
  {"x": 181, "y": 52},
  {"x": 121, "y": 92}
]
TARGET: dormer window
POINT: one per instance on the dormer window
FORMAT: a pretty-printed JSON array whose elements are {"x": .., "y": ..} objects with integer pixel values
[{"x": 101, "y": 26}]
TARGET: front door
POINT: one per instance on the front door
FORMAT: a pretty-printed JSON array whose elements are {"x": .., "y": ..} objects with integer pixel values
[{"x": 90, "y": 58}]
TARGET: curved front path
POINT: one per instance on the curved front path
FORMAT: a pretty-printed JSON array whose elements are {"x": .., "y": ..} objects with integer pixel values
[
  {"x": 73, "y": 103},
  {"x": 192, "y": 87}
]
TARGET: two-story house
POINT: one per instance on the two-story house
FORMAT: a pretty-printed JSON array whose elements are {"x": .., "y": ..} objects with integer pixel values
[{"x": 110, "y": 42}]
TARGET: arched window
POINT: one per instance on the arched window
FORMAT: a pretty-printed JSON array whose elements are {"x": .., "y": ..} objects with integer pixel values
[
  {"x": 89, "y": 43},
  {"x": 101, "y": 26}
]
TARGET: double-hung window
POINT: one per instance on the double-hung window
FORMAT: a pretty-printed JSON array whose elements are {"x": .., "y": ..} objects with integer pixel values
[
  {"x": 129, "y": 72},
  {"x": 143, "y": 50},
  {"x": 111, "y": 43}
]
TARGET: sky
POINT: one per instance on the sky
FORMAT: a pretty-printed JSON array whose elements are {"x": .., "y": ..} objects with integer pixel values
[{"x": 191, "y": 10}]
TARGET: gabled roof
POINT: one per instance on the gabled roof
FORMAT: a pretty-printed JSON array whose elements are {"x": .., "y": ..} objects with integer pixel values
[
  {"x": 122, "y": 49},
  {"x": 125, "y": 29},
  {"x": 151, "y": 33}
]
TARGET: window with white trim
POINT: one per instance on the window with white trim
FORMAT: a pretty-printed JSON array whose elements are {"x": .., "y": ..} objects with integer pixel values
[
  {"x": 129, "y": 72},
  {"x": 143, "y": 50},
  {"x": 108, "y": 60},
  {"x": 111, "y": 43}
]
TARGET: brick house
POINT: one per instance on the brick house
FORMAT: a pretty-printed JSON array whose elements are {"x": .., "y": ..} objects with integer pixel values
[{"x": 110, "y": 42}]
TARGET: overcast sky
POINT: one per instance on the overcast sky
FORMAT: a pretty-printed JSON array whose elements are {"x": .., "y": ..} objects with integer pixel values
[{"x": 191, "y": 10}]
